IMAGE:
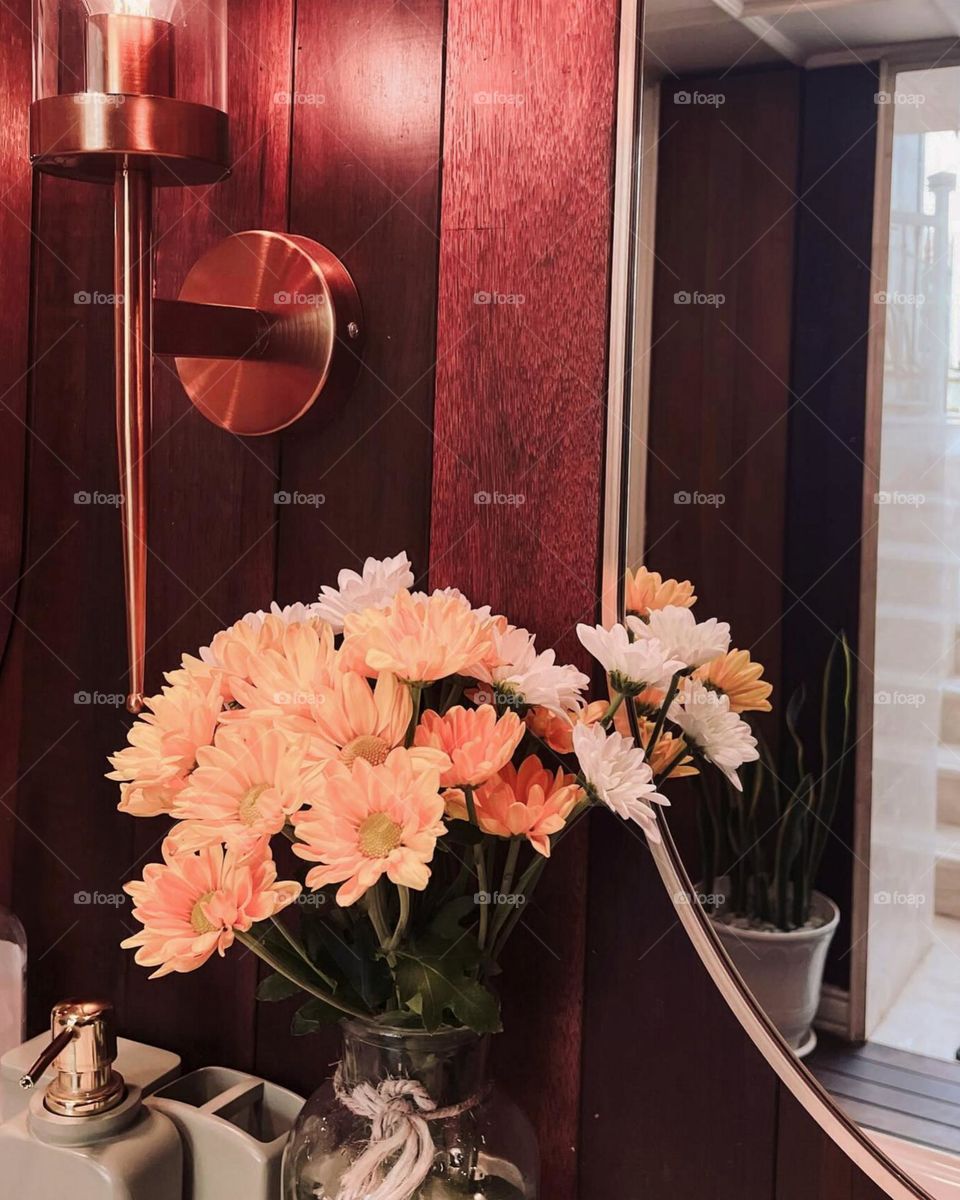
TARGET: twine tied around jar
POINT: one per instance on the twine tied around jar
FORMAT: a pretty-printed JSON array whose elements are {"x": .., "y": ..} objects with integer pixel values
[{"x": 398, "y": 1111}]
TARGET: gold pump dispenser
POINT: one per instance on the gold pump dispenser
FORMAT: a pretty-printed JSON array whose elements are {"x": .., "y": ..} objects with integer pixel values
[{"x": 82, "y": 1048}]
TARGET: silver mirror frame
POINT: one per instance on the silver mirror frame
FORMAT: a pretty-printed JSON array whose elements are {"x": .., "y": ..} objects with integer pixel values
[{"x": 623, "y": 492}]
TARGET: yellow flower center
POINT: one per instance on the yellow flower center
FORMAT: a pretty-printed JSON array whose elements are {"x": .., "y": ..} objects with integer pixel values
[
  {"x": 248, "y": 811},
  {"x": 378, "y": 835},
  {"x": 374, "y": 749},
  {"x": 199, "y": 922}
]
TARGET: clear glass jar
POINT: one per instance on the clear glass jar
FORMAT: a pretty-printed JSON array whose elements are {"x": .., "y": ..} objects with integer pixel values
[
  {"x": 483, "y": 1146},
  {"x": 13, "y": 981}
]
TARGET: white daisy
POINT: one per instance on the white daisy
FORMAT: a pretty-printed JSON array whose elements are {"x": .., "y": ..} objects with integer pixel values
[
  {"x": 711, "y": 728},
  {"x": 682, "y": 636},
  {"x": 483, "y": 612},
  {"x": 379, "y": 582},
  {"x": 618, "y": 775},
  {"x": 632, "y": 666},
  {"x": 516, "y": 669}
]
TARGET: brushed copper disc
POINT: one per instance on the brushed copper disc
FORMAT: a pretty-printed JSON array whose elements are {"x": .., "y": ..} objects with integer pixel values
[{"x": 314, "y": 340}]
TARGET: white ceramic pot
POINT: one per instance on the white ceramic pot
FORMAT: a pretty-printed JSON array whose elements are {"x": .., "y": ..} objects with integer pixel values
[{"x": 785, "y": 970}]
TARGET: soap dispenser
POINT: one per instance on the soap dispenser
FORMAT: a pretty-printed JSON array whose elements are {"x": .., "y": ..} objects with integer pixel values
[{"x": 88, "y": 1135}]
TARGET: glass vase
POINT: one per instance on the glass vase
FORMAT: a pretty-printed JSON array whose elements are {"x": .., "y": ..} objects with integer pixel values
[{"x": 411, "y": 1110}]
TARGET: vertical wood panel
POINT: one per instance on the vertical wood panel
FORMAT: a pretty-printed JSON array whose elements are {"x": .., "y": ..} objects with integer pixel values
[
  {"x": 522, "y": 330},
  {"x": 809, "y": 1164},
  {"x": 15, "y": 196},
  {"x": 213, "y": 518},
  {"x": 366, "y": 169}
]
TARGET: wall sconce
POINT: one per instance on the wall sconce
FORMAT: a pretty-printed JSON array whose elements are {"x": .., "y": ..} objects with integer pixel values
[{"x": 133, "y": 93}]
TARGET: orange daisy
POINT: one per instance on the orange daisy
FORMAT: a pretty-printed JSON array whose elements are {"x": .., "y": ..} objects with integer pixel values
[
  {"x": 477, "y": 744},
  {"x": 557, "y": 730},
  {"x": 164, "y": 742},
  {"x": 646, "y": 590},
  {"x": 366, "y": 821},
  {"x": 529, "y": 802},
  {"x": 735, "y": 676},
  {"x": 418, "y": 638},
  {"x": 190, "y": 905}
]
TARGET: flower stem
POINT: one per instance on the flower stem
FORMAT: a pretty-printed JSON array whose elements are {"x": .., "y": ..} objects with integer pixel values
[
  {"x": 506, "y": 885},
  {"x": 416, "y": 693},
  {"x": 375, "y": 913},
  {"x": 674, "y": 762},
  {"x": 298, "y": 949},
  {"x": 481, "y": 869},
  {"x": 607, "y": 718},
  {"x": 258, "y": 948},
  {"x": 402, "y": 921},
  {"x": 662, "y": 715}
]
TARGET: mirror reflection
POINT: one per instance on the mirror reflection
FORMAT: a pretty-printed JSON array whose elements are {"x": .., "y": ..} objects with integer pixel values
[{"x": 797, "y": 402}]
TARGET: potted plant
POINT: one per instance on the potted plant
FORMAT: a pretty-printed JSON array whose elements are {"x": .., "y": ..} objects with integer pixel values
[
  {"x": 762, "y": 851},
  {"x": 364, "y": 792}
]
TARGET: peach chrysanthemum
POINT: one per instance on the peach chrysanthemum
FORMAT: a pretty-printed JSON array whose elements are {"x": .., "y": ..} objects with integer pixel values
[
  {"x": 646, "y": 590},
  {"x": 191, "y": 905},
  {"x": 419, "y": 639},
  {"x": 557, "y": 730},
  {"x": 163, "y": 747},
  {"x": 366, "y": 821},
  {"x": 735, "y": 676},
  {"x": 477, "y": 743},
  {"x": 245, "y": 787},
  {"x": 529, "y": 802},
  {"x": 286, "y": 678}
]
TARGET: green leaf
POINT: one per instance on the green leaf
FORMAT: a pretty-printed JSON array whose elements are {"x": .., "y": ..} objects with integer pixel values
[
  {"x": 277, "y": 987},
  {"x": 433, "y": 985},
  {"x": 312, "y": 1015}
]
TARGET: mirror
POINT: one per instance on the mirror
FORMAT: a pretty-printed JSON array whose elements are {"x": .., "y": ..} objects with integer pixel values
[{"x": 789, "y": 352}]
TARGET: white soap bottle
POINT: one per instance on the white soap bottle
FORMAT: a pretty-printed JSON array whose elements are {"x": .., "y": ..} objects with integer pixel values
[{"x": 88, "y": 1136}]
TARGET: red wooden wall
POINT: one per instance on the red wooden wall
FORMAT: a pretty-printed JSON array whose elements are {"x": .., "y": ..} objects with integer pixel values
[{"x": 521, "y": 351}]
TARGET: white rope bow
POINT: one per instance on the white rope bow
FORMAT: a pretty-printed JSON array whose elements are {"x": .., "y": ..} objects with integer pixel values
[{"x": 398, "y": 1111}]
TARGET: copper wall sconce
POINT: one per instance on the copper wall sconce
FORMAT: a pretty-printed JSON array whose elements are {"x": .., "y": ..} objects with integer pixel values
[{"x": 132, "y": 93}]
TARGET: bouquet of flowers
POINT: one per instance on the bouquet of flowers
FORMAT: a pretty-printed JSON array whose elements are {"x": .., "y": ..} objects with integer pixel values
[{"x": 423, "y": 758}]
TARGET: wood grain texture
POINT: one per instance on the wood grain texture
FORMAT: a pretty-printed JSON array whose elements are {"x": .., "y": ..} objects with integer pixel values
[
  {"x": 720, "y": 371},
  {"x": 365, "y": 182},
  {"x": 522, "y": 326},
  {"x": 676, "y": 1099},
  {"x": 15, "y": 205},
  {"x": 809, "y": 1164},
  {"x": 827, "y": 423}
]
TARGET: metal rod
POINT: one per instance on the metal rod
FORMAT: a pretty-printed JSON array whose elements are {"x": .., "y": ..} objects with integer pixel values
[
  {"x": 133, "y": 328},
  {"x": 47, "y": 1055},
  {"x": 187, "y": 330}
]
